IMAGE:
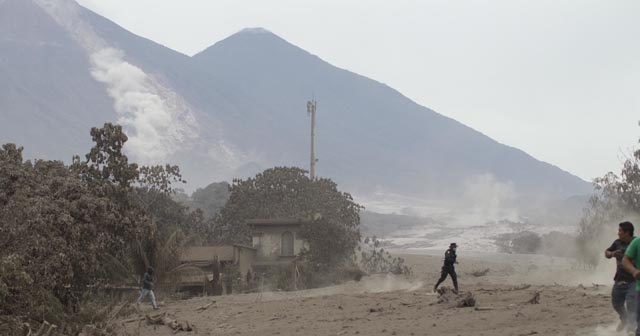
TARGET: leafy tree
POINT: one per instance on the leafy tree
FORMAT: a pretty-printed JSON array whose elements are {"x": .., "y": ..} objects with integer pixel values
[
  {"x": 210, "y": 199},
  {"x": 174, "y": 226},
  {"x": 143, "y": 196},
  {"x": 617, "y": 198},
  {"x": 108, "y": 173},
  {"x": 333, "y": 218},
  {"x": 145, "y": 192},
  {"x": 62, "y": 228},
  {"x": 54, "y": 232},
  {"x": 106, "y": 161},
  {"x": 159, "y": 178}
]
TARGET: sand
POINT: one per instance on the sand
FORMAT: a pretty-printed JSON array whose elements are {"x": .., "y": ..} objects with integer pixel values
[{"x": 572, "y": 302}]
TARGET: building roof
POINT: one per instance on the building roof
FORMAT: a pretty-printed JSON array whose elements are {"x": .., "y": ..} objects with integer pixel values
[
  {"x": 275, "y": 222},
  {"x": 206, "y": 253}
]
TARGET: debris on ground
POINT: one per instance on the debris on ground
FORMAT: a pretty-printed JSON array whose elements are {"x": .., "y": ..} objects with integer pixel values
[
  {"x": 479, "y": 273},
  {"x": 448, "y": 296},
  {"x": 535, "y": 299},
  {"x": 205, "y": 307},
  {"x": 484, "y": 308},
  {"x": 162, "y": 319},
  {"x": 45, "y": 329}
]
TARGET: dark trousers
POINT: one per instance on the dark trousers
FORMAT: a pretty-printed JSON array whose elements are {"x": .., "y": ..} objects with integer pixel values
[
  {"x": 625, "y": 292},
  {"x": 448, "y": 270}
]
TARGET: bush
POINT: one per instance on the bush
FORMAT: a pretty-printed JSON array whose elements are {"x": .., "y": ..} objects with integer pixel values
[{"x": 374, "y": 259}]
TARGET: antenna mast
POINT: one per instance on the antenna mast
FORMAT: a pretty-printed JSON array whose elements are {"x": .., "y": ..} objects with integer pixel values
[{"x": 311, "y": 109}]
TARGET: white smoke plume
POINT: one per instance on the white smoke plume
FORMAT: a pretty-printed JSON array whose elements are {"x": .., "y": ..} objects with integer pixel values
[
  {"x": 160, "y": 119},
  {"x": 156, "y": 119}
]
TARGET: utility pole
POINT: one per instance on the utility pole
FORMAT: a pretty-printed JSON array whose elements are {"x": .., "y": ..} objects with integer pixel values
[{"x": 311, "y": 109}]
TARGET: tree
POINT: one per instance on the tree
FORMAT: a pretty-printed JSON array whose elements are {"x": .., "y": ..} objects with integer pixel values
[
  {"x": 332, "y": 217},
  {"x": 210, "y": 199},
  {"x": 65, "y": 227},
  {"x": 106, "y": 161},
  {"x": 174, "y": 224},
  {"x": 616, "y": 198},
  {"x": 54, "y": 233}
]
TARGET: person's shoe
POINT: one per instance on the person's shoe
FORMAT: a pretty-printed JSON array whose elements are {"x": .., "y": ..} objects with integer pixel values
[
  {"x": 631, "y": 329},
  {"x": 156, "y": 308},
  {"x": 621, "y": 326},
  {"x": 435, "y": 289}
]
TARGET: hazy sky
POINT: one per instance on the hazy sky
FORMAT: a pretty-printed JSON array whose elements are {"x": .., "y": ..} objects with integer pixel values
[{"x": 557, "y": 79}]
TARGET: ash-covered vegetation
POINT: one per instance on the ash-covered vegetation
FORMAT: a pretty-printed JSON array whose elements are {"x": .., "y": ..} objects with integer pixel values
[
  {"x": 70, "y": 234},
  {"x": 617, "y": 199},
  {"x": 67, "y": 231}
]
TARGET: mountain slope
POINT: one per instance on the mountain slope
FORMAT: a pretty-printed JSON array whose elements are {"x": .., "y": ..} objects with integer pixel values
[
  {"x": 359, "y": 119},
  {"x": 248, "y": 96},
  {"x": 48, "y": 99}
]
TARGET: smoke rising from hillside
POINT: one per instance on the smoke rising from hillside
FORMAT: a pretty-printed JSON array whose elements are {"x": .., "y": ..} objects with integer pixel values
[
  {"x": 156, "y": 119},
  {"x": 160, "y": 119}
]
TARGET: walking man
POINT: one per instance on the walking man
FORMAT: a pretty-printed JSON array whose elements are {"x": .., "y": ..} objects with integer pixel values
[
  {"x": 147, "y": 288},
  {"x": 624, "y": 283},
  {"x": 448, "y": 268}
]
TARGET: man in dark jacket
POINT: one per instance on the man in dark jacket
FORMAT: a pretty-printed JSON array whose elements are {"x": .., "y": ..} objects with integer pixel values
[
  {"x": 147, "y": 288},
  {"x": 623, "y": 282},
  {"x": 448, "y": 268}
]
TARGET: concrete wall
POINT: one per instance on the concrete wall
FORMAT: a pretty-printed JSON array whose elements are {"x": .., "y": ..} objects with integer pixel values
[
  {"x": 267, "y": 241},
  {"x": 206, "y": 253},
  {"x": 244, "y": 260}
]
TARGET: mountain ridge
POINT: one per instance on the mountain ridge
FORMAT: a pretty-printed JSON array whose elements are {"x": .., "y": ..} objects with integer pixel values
[{"x": 248, "y": 94}]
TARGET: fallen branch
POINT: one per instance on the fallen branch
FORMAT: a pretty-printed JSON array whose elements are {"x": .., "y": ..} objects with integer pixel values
[
  {"x": 51, "y": 328},
  {"x": 28, "y": 327},
  {"x": 135, "y": 319},
  {"x": 484, "y": 308},
  {"x": 205, "y": 307},
  {"x": 45, "y": 329},
  {"x": 513, "y": 288},
  {"x": 277, "y": 317},
  {"x": 41, "y": 330},
  {"x": 116, "y": 311},
  {"x": 89, "y": 330},
  {"x": 535, "y": 299},
  {"x": 521, "y": 287},
  {"x": 479, "y": 273}
]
